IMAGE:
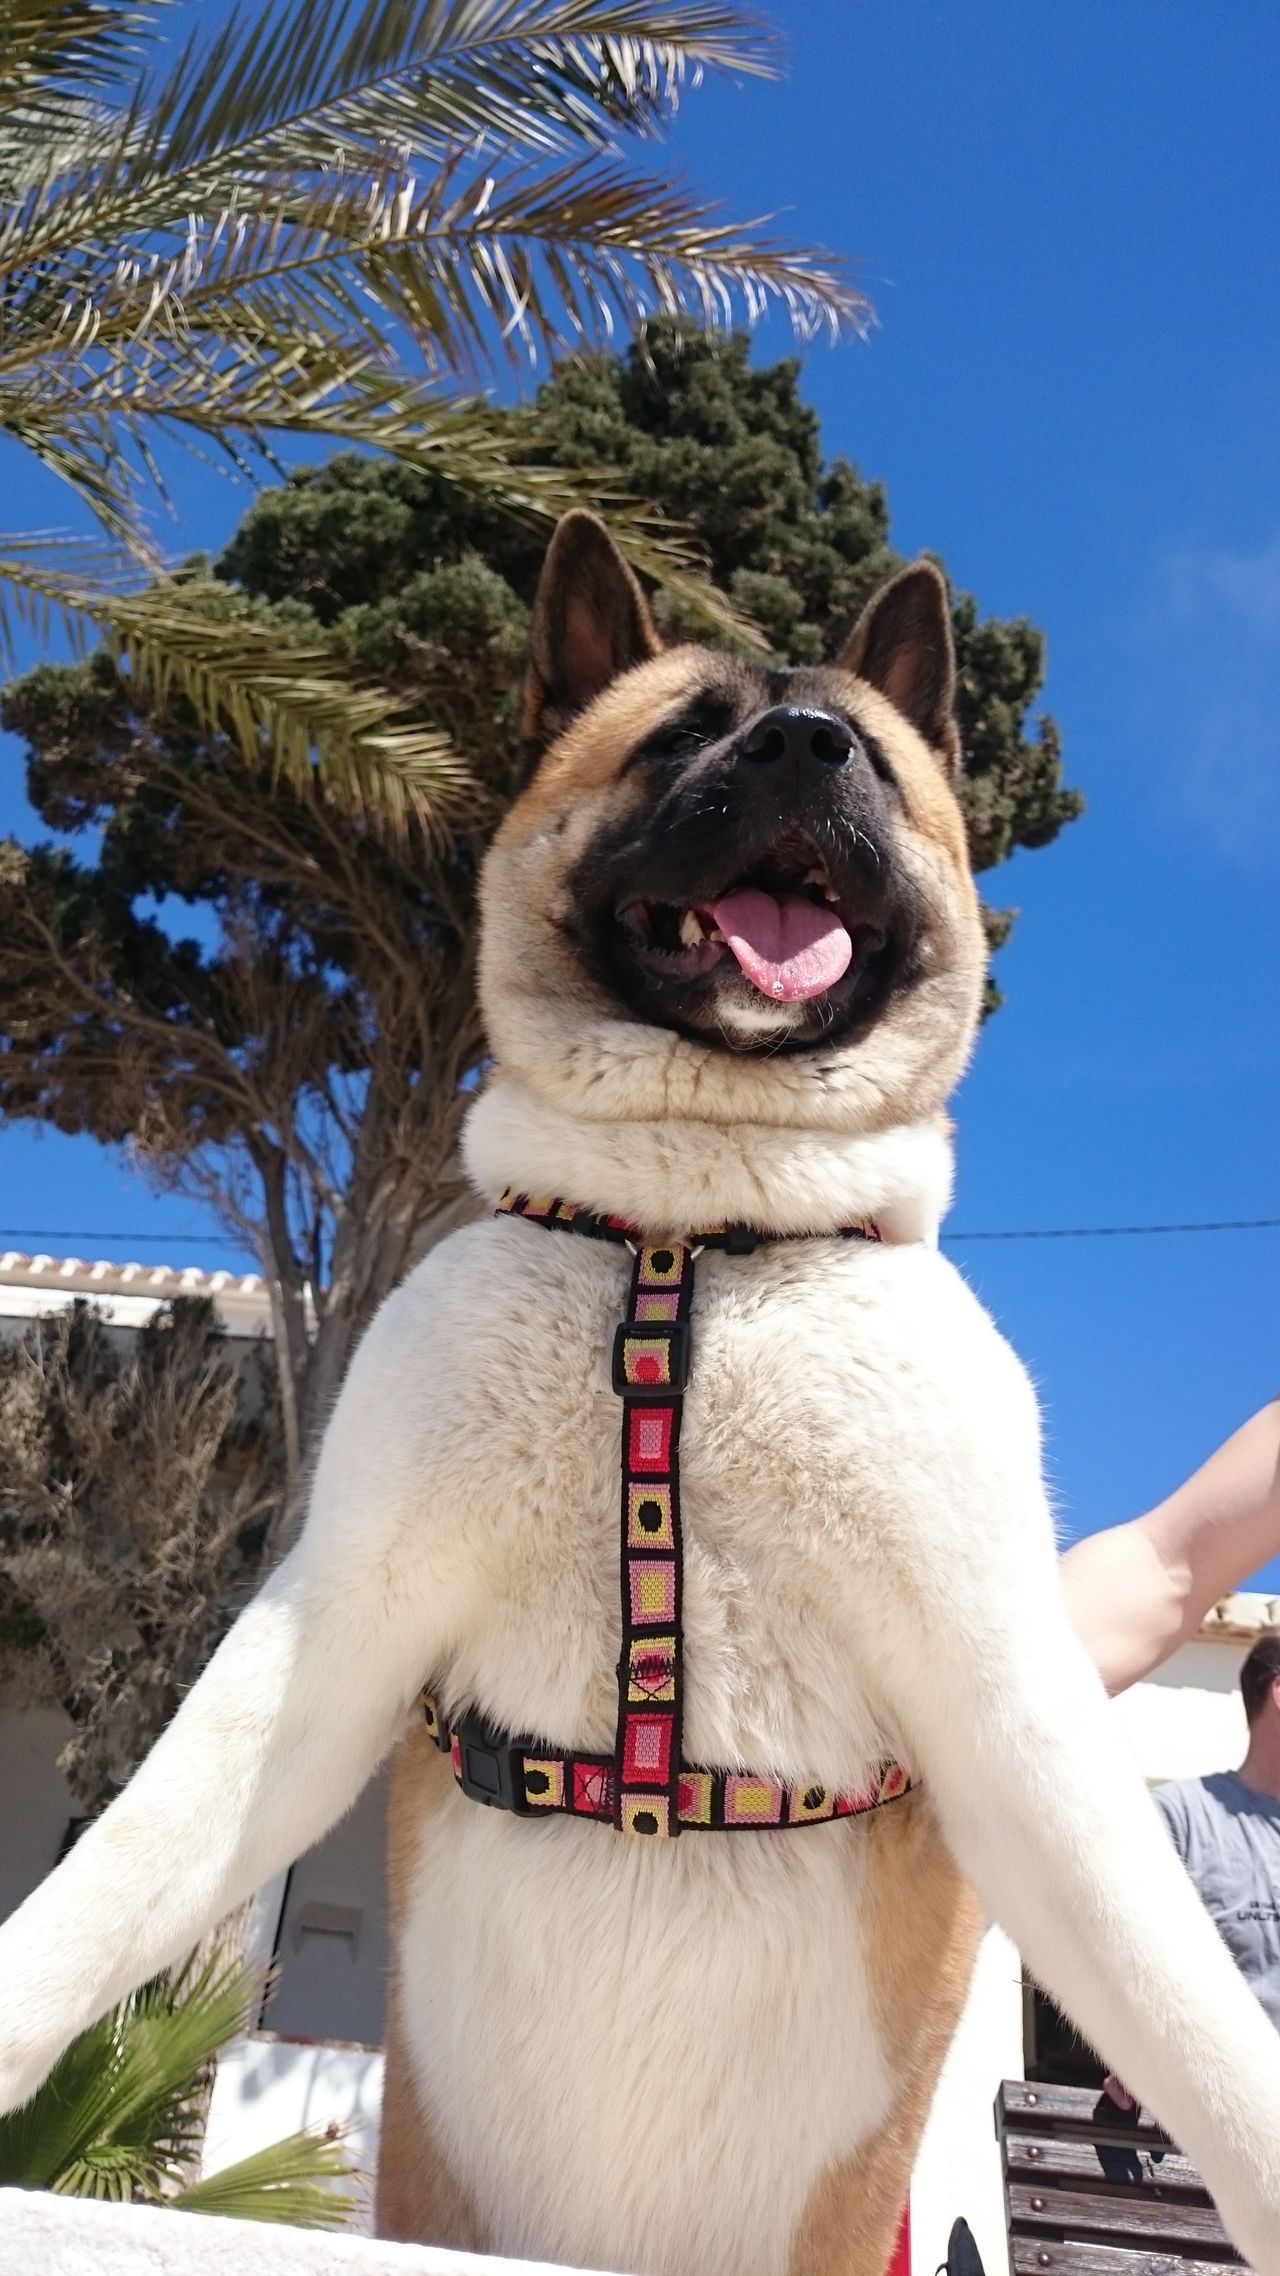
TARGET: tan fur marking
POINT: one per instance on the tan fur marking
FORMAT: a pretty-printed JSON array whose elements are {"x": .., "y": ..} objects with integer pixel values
[
  {"x": 591, "y": 750},
  {"x": 419, "y": 2200},
  {"x": 923, "y": 1924}
]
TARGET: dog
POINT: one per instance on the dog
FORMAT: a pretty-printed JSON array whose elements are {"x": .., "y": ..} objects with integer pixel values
[{"x": 731, "y": 968}]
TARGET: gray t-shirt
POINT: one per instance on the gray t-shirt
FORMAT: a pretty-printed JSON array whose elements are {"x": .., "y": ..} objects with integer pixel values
[{"x": 1228, "y": 1837}]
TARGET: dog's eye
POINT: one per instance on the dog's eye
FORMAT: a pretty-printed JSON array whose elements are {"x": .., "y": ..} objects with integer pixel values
[
  {"x": 879, "y": 762},
  {"x": 691, "y": 732}
]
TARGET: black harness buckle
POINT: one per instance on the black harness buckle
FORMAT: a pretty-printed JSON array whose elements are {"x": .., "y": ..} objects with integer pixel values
[
  {"x": 740, "y": 1241},
  {"x": 490, "y": 1765},
  {"x": 651, "y": 1360}
]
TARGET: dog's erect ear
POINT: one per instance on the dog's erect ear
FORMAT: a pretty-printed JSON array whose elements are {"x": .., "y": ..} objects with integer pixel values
[
  {"x": 902, "y": 645},
  {"x": 590, "y": 622}
]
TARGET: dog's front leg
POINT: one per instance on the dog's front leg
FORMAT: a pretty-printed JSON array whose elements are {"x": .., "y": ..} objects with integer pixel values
[
  {"x": 1047, "y": 1813},
  {"x": 273, "y": 1743}
]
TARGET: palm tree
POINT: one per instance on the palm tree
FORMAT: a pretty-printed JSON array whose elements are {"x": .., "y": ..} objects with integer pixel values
[
  {"x": 329, "y": 219},
  {"x": 122, "y": 2114}
]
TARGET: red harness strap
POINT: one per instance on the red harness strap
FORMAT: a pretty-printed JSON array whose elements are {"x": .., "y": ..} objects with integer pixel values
[
  {"x": 900, "y": 2262},
  {"x": 645, "y": 1787}
]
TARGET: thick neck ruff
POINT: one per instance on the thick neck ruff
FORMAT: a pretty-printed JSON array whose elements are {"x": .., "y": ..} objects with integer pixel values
[{"x": 669, "y": 1176}]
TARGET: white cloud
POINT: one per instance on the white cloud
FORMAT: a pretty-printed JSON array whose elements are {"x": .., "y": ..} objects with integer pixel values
[{"x": 1215, "y": 643}]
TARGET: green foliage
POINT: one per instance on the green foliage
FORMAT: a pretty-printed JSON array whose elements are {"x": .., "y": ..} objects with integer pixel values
[{"x": 121, "y": 2115}]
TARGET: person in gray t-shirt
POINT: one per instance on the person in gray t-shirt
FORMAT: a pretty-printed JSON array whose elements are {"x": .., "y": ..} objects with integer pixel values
[{"x": 1226, "y": 1830}]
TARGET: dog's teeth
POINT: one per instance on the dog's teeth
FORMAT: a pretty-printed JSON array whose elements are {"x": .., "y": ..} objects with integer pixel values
[
  {"x": 690, "y": 930},
  {"x": 818, "y": 876}
]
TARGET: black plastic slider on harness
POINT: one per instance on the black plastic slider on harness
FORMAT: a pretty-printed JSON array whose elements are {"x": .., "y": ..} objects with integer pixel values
[{"x": 490, "y": 1765}]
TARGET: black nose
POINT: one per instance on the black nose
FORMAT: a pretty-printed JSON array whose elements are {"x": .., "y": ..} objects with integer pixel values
[{"x": 790, "y": 731}]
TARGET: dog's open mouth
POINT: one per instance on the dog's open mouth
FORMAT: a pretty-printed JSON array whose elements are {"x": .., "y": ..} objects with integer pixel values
[{"x": 783, "y": 923}]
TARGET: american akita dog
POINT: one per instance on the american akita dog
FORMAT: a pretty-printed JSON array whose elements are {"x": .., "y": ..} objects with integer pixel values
[{"x": 732, "y": 962}]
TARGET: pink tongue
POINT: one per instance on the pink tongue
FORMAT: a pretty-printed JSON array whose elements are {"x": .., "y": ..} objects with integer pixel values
[{"x": 788, "y": 949}]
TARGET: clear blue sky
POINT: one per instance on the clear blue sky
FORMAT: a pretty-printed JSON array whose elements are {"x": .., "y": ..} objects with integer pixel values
[{"x": 1067, "y": 220}]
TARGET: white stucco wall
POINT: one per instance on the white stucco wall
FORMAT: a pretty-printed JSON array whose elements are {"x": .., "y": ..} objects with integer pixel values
[
  {"x": 64, "y": 2236},
  {"x": 1187, "y": 1719}
]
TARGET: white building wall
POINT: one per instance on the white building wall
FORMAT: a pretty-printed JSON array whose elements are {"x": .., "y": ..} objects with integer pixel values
[
  {"x": 332, "y": 1941},
  {"x": 35, "y": 1803},
  {"x": 1187, "y": 1719}
]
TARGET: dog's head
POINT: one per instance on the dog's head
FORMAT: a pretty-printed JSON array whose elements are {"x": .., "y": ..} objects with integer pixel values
[{"x": 730, "y": 892}]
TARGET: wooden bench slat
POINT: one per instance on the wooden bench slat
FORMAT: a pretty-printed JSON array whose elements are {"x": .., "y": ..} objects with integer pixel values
[
  {"x": 1145, "y": 2220},
  {"x": 1073, "y": 2110},
  {"x": 1034, "y": 2256},
  {"x": 1101, "y": 2166}
]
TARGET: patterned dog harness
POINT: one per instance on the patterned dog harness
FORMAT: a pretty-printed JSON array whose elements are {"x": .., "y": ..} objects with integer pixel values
[{"x": 644, "y": 1786}]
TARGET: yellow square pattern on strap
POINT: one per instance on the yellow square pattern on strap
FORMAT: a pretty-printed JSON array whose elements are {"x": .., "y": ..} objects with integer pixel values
[
  {"x": 660, "y": 1267},
  {"x": 753, "y": 1801},
  {"x": 649, "y": 1516},
  {"x": 544, "y": 1782},
  {"x": 647, "y": 1813},
  {"x": 809, "y": 1805}
]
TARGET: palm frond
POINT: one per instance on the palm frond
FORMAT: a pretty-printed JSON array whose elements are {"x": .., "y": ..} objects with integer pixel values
[
  {"x": 306, "y": 85},
  {"x": 87, "y": 46},
  {"x": 79, "y": 418},
  {"x": 121, "y": 2114},
  {"x": 62, "y": 64},
  {"x": 296, "y": 710},
  {"x": 283, "y": 2182},
  {"x": 232, "y": 246},
  {"x": 546, "y": 260},
  {"x": 86, "y": 450},
  {"x": 563, "y": 258},
  {"x": 299, "y": 89},
  {"x": 117, "y": 2116}
]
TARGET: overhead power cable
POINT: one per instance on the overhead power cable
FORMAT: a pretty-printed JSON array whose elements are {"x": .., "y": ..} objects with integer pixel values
[
  {"x": 66, "y": 1233},
  {"x": 1114, "y": 1232},
  {"x": 984, "y": 1233}
]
